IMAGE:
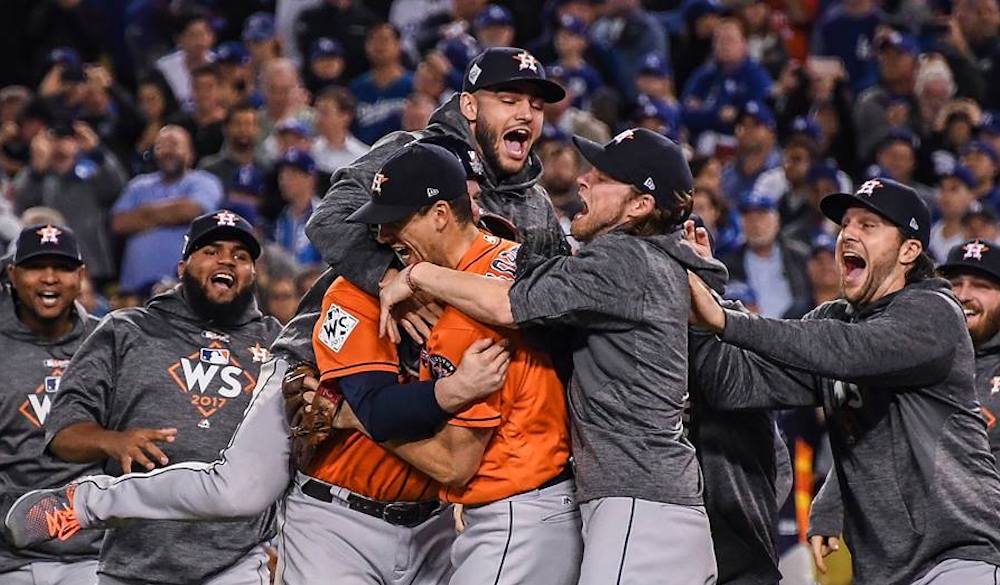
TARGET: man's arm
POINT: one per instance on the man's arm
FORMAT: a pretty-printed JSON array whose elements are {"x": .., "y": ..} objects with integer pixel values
[
  {"x": 89, "y": 442},
  {"x": 826, "y": 520},
  {"x": 145, "y": 217},
  {"x": 452, "y": 456}
]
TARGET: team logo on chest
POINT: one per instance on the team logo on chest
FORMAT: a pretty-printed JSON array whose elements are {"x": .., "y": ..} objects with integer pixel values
[
  {"x": 438, "y": 365},
  {"x": 38, "y": 404},
  {"x": 211, "y": 377}
]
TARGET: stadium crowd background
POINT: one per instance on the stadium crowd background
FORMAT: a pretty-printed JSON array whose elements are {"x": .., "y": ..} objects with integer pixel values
[{"x": 779, "y": 102}]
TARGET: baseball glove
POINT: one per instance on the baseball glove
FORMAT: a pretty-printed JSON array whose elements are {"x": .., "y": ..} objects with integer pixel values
[{"x": 310, "y": 409}]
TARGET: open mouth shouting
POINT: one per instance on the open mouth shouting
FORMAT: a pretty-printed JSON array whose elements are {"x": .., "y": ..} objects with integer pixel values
[
  {"x": 853, "y": 268},
  {"x": 222, "y": 281},
  {"x": 49, "y": 298},
  {"x": 517, "y": 143}
]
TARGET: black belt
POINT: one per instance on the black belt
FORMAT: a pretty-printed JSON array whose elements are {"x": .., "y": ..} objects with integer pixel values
[
  {"x": 565, "y": 475},
  {"x": 406, "y": 514}
]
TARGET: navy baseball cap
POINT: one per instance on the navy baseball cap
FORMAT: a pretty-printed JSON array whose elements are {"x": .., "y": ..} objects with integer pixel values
[
  {"x": 899, "y": 41},
  {"x": 737, "y": 290},
  {"x": 655, "y": 64},
  {"x": 494, "y": 15},
  {"x": 894, "y": 201},
  {"x": 46, "y": 240},
  {"x": 467, "y": 155},
  {"x": 247, "y": 179},
  {"x": 646, "y": 160},
  {"x": 983, "y": 147},
  {"x": 962, "y": 174},
  {"x": 459, "y": 50},
  {"x": 418, "y": 175},
  {"x": 326, "y": 47},
  {"x": 220, "y": 225},
  {"x": 975, "y": 256},
  {"x": 900, "y": 135},
  {"x": 259, "y": 27},
  {"x": 807, "y": 127},
  {"x": 823, "y": 243},
  {"x": 751, "y": 201},
  {"x": 298, "y": 159},
  {"x": 759, "y": 112},
  {"x": 572, "y": 24},
  {"x": 503, "y": 65},
  {"x": 824, "y": 170},
  {"x": 293, "y": 125},
  {"x": 990, "y": 124},
  {"x": 231, "y": 53}
]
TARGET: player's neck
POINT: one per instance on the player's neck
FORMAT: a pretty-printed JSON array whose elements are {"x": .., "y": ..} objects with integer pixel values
[{"x": 455, "y": 244}]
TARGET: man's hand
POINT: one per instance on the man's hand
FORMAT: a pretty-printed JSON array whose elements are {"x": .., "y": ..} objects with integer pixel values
[
  {"x": 86, "y": 136},
  {"x": 482, "y": 371},
  {"x": 394, "y": 290},
  {"x": 345, "y": 419},
  {"x": 698, "y": 238},
  {"x": 822, "y": 546},
  {"x": 137, "y": 445},
  {"x": 418, "y": 318},
  {"x": 705, "y": 310},
  {"x": 41, "y": 152}
]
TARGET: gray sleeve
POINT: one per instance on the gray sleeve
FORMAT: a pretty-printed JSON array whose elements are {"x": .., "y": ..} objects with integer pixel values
[
  {"x": 870, "y": 124},
  {"x": 27, "y": 190},
  {"x": 87, "y": 386},
  {"x": 349, "y": 247},
  {"x": 601, "y": 288},
  {"x": 923, "y": 322},
  {"x": 826, "y": 518},
  {"x": 111, "y": 180}
]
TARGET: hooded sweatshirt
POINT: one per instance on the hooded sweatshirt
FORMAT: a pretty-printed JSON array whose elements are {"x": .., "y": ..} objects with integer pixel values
[
  {"x": 164, "y": 366},
  {"x": 912, "y": 463},
  {"x": 626, "y": 300},
  {"x": 988, "y": 389},
  {"x": 33, "y": 369}
]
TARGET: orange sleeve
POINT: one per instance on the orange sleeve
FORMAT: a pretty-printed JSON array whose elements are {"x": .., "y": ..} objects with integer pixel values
[
  {"x": 444, "y": 354},
  {"x": 345, "y": 337}
]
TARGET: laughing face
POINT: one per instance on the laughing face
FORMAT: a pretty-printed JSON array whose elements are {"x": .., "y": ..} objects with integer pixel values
[
  {"x": 46, "y": 287},
  {"x": 980, "y": 298},
  {"x": 870, "y": 255},
  {"x": 507, "y": 122},
  {"x": 223, "y": 270}
]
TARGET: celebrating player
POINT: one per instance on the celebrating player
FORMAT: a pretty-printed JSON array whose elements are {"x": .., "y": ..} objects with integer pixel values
[{"x": 623, "y": 298}]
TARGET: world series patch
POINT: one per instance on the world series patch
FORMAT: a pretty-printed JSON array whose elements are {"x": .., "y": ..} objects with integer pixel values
[{"x": 337, "y": 327}]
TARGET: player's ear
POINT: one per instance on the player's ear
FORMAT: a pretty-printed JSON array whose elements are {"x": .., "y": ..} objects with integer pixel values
[
  {"x": 910, "y": 251},
  {"x": 469, "y": 106},
  {"x": 180, "y": 269}
]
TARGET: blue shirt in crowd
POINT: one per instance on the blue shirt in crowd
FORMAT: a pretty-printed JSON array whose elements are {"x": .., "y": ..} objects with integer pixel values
[
  {"x": 717, "y": 88},
  {"x": 582, "y": 82},
  {"x": 290, "y": 234},
  {"x": 380, "y": 109},
  {"x": 851, "y": 39},
  {"x": 154, "y": 253}
]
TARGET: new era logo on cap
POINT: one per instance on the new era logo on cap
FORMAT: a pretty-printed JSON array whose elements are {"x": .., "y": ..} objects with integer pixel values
[
  {"x": 49, "y": 234},
  {"x": 432, "y": 192},
  {"x": 649, "y": 184}
]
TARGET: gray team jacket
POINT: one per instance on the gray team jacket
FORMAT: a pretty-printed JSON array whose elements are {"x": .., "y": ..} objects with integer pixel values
[
  {"x": 352, "y": 252},
  {"x": 162, "y": 366},
  {"x": 917, "y": 481},
  {"x": 988, "y": 388},
  {"x": 625, "y": 300},
  {"x": 33, "y": 368}
]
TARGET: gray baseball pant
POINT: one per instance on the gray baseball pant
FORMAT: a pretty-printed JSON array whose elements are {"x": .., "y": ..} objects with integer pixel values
[
  {"x": 52, "y": 573},
  {"x": 628, "y": 541},
  {"x": 252, "y": 472},
  {"x": 528, "y": 539},
  {"x": 961, "y": 572},
  {"x": 249, "y": 570},
  {"x": 330, "y": 543}
]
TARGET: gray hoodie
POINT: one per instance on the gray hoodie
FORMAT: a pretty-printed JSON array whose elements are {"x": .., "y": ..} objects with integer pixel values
[
  {"x": 626, "y": 301},
  {"x": 988, "y": 389},
  {"x": 33, "y": 369},
  {"x": 163, "y": 366},
  {"x": 917, "y": 481}
]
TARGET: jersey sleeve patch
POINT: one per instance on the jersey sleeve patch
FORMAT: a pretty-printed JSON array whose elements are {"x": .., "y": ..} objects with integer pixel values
[{"x": 338, "y": 325}]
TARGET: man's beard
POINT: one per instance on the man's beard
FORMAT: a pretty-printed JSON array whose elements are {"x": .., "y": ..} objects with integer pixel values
[
  {"x": 878, "y": 273},
  {"x": 219, "y": 313},
  {"x": 487, "y": 138},
  {"x": 989, "y": 324}
]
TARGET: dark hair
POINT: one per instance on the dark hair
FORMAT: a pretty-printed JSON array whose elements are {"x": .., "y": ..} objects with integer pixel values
[
  {"x": 339, "y": 95},
  {"x": 378, "y": 25},
  {"x": 922, "y": 268},
  {"x": 461, "y": 208},
  {"x": 662, "y": 220},
  {"x": 157, "y": 80},
  {"x": 243, "y": 106},
  {"x": 189, "y": 16},
  {"x": 207, "y": 69}
]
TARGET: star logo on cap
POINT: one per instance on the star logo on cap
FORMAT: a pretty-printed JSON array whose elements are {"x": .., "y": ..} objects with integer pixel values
[
  {"x": 50, "y": 234},
  {"x": 377, "y": 182},
  {"x": 226, "y": 218},
  {"x": 526, "y": 61},
  {"x": 626, "y": 135},
  {"x": 868, "y": 188},
  {"x": 974, "y": 250}
]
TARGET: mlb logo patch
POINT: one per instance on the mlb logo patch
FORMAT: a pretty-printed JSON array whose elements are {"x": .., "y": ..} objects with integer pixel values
[
  {"x": 52, "y": 384},
  {"x": 337, "y": 327},
  {"x": 215, "y": 356}
]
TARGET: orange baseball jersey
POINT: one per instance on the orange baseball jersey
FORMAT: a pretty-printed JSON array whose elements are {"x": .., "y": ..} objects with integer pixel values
[
  {"x": 530, "y": 442},
  {"x": 346, "y": 342}
]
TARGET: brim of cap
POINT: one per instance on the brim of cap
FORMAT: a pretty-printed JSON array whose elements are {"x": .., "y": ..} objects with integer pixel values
[
  {"x": 42, "y": 253},
  {"x": 374, "y": 214},
  {"x": 549, "y": 90},
  {"x": 966, "y": 268},
  {"x": 835, "y": 205},
  {"x": 227, "y": 233}
]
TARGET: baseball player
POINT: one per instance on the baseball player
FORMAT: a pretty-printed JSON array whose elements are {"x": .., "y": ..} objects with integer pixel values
[
  {"x": 623, "y": 298},
  {"x": 41, "y": 327},
  {"x": 505, "y": 459},
  {"x": 892, "y": 365},
  {"x": 169, "y": 381}
]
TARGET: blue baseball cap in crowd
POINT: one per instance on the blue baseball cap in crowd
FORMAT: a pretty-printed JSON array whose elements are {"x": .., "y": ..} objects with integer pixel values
[
  {"x": 459, "y": 50},
  {"x": 890, "y": 199},
  {"x": 825, "y": 170},
  {"x": 46, "y": 240},
  {"x": 698, "y": 8},
  {"x": 759, "y": 112},
  {"x": 294, "y": 126},
  {"x": 326, "y": 47},
  {"x": 72, "y": 64},
  {"x": 990, "y": 124},
  {"x": 494, "y": 15},
  {"x": 231, "y": 53},
  {"x": 655, "y": 64},
  {"x": 899, "y": 41},
  {"x": 961, "y": 173},
  {"x": 751, "y": 201},
  {"x": 983, "y": 147},
  {"x": 899, "y": 135},
  {"x": 823, "y": 242},
  {"x": 298, "y": 159},
  {"x": 807, "y": 127},
  {"x": 737, "y": 290},
  {"x": 259, "y": 27},
  {"x": 572, "y": 24},
  {"x": 247, "y": 179},
  {"x": 220, "y": 225}
]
